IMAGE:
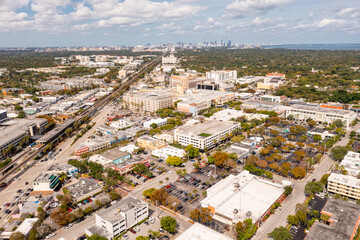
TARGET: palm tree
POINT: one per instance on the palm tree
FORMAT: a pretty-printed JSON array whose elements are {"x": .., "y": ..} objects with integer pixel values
[{"x": 63, "y": 177}]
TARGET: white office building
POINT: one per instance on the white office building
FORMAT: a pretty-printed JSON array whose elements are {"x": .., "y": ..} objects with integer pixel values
[
  {"x": 116, "y": 219},
  {"x": 46, "y": 182},
  {"x": 168, "y": 151},
  {"x": 351, "y": 163},
  {"x": 205, "y": 135},
  {"x": 158, "y": 121},
  {"x": 222, "y": 75},
  {"x": 320, "y": 114},
  {"x": 347, "y": 186}
]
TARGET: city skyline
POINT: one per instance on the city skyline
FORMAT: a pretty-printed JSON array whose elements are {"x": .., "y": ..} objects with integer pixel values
[{"x": 36, "y": 23}]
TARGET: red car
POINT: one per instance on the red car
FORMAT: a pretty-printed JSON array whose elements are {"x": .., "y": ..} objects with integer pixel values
[
  {"x": 168, "y": 186},
  {"x": 69, "y": 209},
  {"x": 89, "y": 199},
  {"x": 133, "y": 231}
]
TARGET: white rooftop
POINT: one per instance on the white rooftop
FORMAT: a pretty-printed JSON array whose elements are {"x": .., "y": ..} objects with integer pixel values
[
  {"x": 256, "y": 196},
  {"x": 345, "y": 180},
  {"x": 26, "y": 225},
  {"x": 200, "y": 232}
]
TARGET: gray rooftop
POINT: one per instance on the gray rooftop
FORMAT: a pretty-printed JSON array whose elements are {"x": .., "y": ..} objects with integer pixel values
[
  {"x": 44, "y": 177},
  {"x": 15, "y": 128},
  {"x": 114, "y": 154},
  {"x": 116, "y": 212},
  {"x": 345, "y": 215},
  {"x": 323, "y": 110},
  {"x": 210, "y": 127}
]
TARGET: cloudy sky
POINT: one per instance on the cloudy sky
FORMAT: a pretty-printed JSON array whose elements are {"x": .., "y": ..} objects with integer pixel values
[{"x": 26, "y": 23}]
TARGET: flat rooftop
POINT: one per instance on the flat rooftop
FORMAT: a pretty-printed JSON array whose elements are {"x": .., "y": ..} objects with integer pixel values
[
  {"x": 14, "y": 128},
  {"x": 344, "y": 179},
  {"x": 45, "y": 177},
  {"x": 200, "y": 232},
  {"x": 323, "y": 110},
  {"x": 114, "y": 154},
  {"x": 61, "y": 167},
  {"x": 345, "y": 216},
  {"x": 207, "y": 129},
  {"x": 254, "y": 198},
  {"x": 113, "y": 215}
]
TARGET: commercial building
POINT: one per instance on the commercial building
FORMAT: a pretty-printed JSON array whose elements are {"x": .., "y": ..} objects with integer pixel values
[
  {"x": 128, "y": 165},
  {"x": 158, "y": 121},
  {"x": 222, "y": 75},
  {"x": 15, "y": 131},
  {"x": 228, "y": 114},
  {"x": 351, "y": 163},
  {"x": 3, "y": 115},
  {"x": 169, "y": 60},
  {"x": 150, "y": 143},
  {"x": 116, "y": 219},
  {"x": 344, "y": 218},
  {"x": 68, "y": 169},
  {"x": 205, "y": 135},
  {"x": 167, "y": 137},
  {"x": 347, "y": 186},
  {"x": 168, "y": 151},
  {"x": 212, "y": 86},
  {"x": 198, "y": 231},
  {"x": 242, "y": 150},
  {"x": 262, "y": 105},
  {"x": 271, "y": 98},
  {"x": 244, "y": 196},
  {"x": 116, "y": 156},
  {"x": 320, "y": 115},
  {"x": 46, "y": 182},
  {"x": 147, "y": 101},
  {"x": 203, "y": 99},
  {"x": 11, "y": 91}
]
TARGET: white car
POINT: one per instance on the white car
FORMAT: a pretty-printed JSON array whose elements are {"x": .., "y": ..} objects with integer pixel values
[
  {"x": 137, "y": 229},
  {"x": 126, "y": 237},
  {"x": 50, "y": 235}
]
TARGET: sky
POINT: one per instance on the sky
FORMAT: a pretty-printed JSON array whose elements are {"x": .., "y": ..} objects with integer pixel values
[{"x": 51, "y": 23}]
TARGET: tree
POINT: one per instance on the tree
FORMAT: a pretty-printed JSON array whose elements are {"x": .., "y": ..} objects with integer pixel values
[
  {"x": 311, "y": 123},
  {"x": 153, "y": 125},
  {"x": 191, "y": 151},
  {"x": 264, "y": 151},
  {"x": 324, "y": 178},
  {"x": 159, "y": 196},
  {"x": 292, "y": 220},
  {"x": 148, "y": 192},
  {"x": 61, "y": 216},
  {"x": 338, "y": 123},
  {"x": 313, "y": 187},
  {"x": 142, "y": 238},
  {"x": 168, "y": 223},
  {"x": 21, "y": 114},
  {"x": 201, "y": 215},
  {"x": 140, "y": 168},
  {"x": 96, "y": 237},
  {"x": 288, "y": 190},
  {"x": 68, "y": 131},
  {"x": 173, "y": 161},
  {"x": 181, "y": 172},
  {"x": 339, "y": 152},
  {"x": 154, "y": 234},
  {"x": 301, "y": 216},
  {"x": 280, "y": 233},
  {"x": 17, "y": 236},
  {"x": 245, "y": 229},
  {"x": 261, "y": 163},
  {"x": 220, "y": 158},
  {"x": 298, "y": 172},
  {"x": 317, "y": 137}
]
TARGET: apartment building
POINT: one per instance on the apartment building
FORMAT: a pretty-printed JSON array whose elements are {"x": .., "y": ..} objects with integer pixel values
[
  {"x": 320, "y": 115},
  {"x": 205, "y": 135},
  {"x": 222, "y": 75},
  {"x": 147, "y": 101},
  {"x": 351, "y": 163},
  {"x": 46, "y": 182},
  {"x": 347, "y": 186},
  {"x": 116, "y": 219}
]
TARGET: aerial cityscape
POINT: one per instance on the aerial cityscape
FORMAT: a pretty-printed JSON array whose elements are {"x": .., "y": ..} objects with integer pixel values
[{"x": 180, "y": 120}]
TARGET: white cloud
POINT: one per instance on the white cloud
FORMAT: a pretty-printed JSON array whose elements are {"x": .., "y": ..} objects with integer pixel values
[
  {"x": 349, "y": 12},
  {"x": 245, "y": 8},
  {"x": 326, "y": 22}
]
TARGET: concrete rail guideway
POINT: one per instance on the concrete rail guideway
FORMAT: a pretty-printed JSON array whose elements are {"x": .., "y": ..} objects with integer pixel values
[{"x": 90, "y": 112}]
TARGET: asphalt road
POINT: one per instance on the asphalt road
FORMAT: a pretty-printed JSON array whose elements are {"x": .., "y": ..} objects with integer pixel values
[{"x": 298, "y": 196}]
